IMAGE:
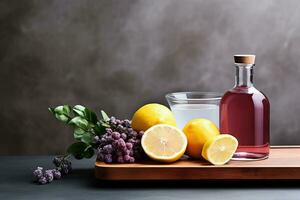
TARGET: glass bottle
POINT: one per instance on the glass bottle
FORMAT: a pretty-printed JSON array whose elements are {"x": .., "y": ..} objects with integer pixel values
[{"x": 245, "y": 113}]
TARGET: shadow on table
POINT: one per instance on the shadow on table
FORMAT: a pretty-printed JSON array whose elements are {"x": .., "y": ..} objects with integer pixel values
[{"x": 87, "y": 178}]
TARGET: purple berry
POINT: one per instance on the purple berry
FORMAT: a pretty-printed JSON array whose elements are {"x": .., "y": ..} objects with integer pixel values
[
  {"x": 56, "y": 174},
  {"x": 121, "y": 142},
  {"x": 65, "y": 169},
  {"x": 100, "y": 155},
  {"x": 129, "y": 145},
  {"x": 131, "y": 153},
  {"x": 126, "y": 158},
  {"x": 124, "y": 150},
  {"x": 134, "y": 133},
  {"x": 112, "y": 120},
  {"x": 116, "y": 135},
  {"x": 120, "y": 159},
  {"x": 49, "y": 175},
  {"x": 119, "y": 153},
  {"x": 109, "y": 130},
  {"x": 42, "y": 180},
  {"x": 37, "y": 173},
  {"x": 57, "y": 161},
  {"x": 123, "y": 136},
  {"x": 127, "y": 123},
  {"x": 140, "y": 134},
  {"x": 127, "y": 152},
  {"x": 131, "y": 141},
  {"x": 108, "y": 158},
  {"x": 131, "y": 160},
  {"x": 129, "y": 129},
  {"x": 108, "y": 149},
  {"x": 69, "y": 164}
]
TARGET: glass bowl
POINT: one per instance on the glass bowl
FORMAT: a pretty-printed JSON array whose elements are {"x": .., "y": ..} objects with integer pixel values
[{"x": 190, "y": 105}]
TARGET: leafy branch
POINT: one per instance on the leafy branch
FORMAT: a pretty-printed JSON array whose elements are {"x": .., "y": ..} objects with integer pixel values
[{"x": 85, "y": 125}]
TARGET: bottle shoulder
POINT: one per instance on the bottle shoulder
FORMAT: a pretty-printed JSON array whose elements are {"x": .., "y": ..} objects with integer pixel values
[
  {"x": 246, "y": 90},
  {"x": 245, "y": 93}
]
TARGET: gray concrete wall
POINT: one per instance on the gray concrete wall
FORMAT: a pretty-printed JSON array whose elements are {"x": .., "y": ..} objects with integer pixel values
[{"x": 118, "y": 55}]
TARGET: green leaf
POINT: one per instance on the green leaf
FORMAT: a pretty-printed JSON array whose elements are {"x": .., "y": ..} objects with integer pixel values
[
  {"x": 77, "y": 150},
  {"x": 51, "y": 110},
  {"x": 62, "y": 113},
  {"x": 88, "y": 152},
  {"x": 85, "y": 113},
  {"x": 67, "y": 110},
  {"x": 81, "y": 150},
  {"x": 79, "y": 110},
  {"x": 62, "y": 118},
  {"x": 99, "y": 129},
  {"x": 59, "y": 110},
  {"x": 78, "y": 133},
  {"x": 104, "y": 124},
  {"x": 90, "y": 116},
  {"x": 104, "y": 116},
  {"x": 80, "y": 122},
  {"x": 63, "y": 110},
  {"x": 87, "y": 138}
]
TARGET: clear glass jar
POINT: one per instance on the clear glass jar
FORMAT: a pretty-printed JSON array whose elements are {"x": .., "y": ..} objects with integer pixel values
[{"x": 190, "y": 105}]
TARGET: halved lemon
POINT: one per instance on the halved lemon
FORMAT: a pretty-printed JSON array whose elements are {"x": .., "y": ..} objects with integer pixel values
[
  {"x": 198, "y": 131},
  {"x": 164, "y": 143},
  {"x": 219, "y": 150}
]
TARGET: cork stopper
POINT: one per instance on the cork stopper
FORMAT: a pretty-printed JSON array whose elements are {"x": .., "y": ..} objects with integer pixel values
[{"x": 244, "y": 59}]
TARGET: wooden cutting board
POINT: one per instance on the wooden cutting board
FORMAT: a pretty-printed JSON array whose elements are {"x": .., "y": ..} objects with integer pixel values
[{"x": 283, "y": 163}]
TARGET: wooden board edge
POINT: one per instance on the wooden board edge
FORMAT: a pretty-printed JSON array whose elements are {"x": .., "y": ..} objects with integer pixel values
[{"x": 197, "y": 174}]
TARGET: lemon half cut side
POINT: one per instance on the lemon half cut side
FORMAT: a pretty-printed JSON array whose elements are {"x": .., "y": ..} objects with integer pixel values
[
  {"x": 220, "y": 149},
  {"x": 164, "y": 143}
]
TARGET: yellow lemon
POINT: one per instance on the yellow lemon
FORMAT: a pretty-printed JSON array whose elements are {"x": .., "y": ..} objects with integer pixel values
[
  {"x": 198, "y": 131},
  {"x": 219, "y": 149},
  {"x": 164, "y": 143},
  {"x": 150, "y": 115}
]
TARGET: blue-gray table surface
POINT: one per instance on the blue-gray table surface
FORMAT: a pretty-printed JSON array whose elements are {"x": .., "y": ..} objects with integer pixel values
[{"x": 15, "y": 183}]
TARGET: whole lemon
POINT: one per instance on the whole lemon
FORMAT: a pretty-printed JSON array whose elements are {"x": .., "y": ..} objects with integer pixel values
[
  {"x": 150, "y": 115},
  {"x": 198, "y": 131}
]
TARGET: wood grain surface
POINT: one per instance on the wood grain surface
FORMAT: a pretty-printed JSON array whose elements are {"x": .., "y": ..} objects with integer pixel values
[{"x": 283, "y": 163}]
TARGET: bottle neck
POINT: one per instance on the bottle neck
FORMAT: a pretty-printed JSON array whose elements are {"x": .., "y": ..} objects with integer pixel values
[{"x": 244, "y": 75}]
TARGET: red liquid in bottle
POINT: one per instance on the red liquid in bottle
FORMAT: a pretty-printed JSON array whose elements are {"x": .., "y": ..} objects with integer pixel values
[{"x": 245, "y": 114}]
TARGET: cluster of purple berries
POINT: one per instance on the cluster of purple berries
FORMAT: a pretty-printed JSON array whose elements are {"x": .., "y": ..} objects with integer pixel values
[
  {"x": 63, "y": 164},
  {"x": 43, "y": 177},
  {"x": 120, "y": 143},
  {"x": 63, "y": 167}
]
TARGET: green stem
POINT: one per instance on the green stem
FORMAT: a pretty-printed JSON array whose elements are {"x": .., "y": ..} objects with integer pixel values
[{"x": 65, "y": 156}]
